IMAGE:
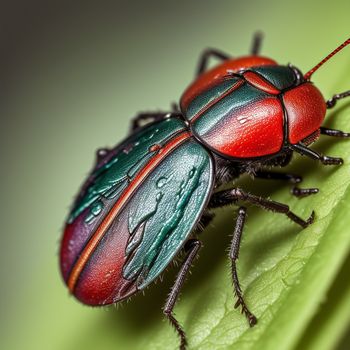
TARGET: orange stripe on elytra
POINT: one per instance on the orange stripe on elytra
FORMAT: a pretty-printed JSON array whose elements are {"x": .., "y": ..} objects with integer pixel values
[
  {"x": 206, "y": 107},
  {"x": 107, "y": 221}
]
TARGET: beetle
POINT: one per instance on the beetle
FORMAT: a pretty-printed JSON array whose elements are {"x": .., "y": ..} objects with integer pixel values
[{"x": 143, "y": 200}]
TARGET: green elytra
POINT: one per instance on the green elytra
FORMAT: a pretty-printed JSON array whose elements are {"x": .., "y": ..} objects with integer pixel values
[
  {"x": 164, "y": 210},
  {"x": 110, "y": 178}
]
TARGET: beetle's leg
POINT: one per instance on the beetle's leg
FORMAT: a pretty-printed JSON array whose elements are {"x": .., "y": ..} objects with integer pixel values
[
  {"x": 303, "y": 150},
  {"x": 136, "y": 122},
  {"x": 257, "y": 39},
  {"x": 192, "y": 246},
  {"x": 271, "y": 175},
  {"x": 333, "y": 132},
  {"x": 234, "y": 251},
  {"x": 293, "y": 179},
  {"x": 205, "y": 57},
  {"x": 175, "y": 107},
  {"x": 332, "y": 101},
  {"x": 227, "y": 197},
  {"x": 209, "y": 53}
]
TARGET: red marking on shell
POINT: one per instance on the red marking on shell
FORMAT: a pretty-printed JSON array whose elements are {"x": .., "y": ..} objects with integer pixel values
[
  {"x": 101, "y": 282},
  {"x": 260, "y": 83},
  {"x": 212, "y": 76},
  {"x": 254, "y": 131}
]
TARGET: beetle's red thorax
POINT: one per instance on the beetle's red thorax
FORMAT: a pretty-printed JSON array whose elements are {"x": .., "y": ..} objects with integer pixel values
[
  {"x": 306, "y": 110},
  {"x": 212, "y": 76},
  {"x": 252, "y": 131}
]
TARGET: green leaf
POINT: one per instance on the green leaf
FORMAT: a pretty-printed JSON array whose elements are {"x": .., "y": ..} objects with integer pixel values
[{"x": 330, "y": 323}]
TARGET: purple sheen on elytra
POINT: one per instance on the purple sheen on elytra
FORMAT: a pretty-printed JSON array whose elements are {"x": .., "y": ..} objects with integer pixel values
[{"x": 76, "y": 235}]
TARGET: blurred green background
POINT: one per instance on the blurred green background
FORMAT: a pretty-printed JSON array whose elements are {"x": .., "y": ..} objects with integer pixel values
[{"x": 72, "y": 76}]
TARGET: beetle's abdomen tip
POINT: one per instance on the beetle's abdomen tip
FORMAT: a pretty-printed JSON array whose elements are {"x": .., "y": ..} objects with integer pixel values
[{"x": 96, "y": 280}]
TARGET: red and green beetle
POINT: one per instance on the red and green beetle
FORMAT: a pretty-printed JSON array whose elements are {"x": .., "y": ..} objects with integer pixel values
[{"x": 143, "y": 201}]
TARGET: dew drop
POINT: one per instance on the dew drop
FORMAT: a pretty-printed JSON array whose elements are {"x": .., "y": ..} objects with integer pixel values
[
  {"x": 161, "y": 182},
  {"x": 96, "y": 208}
]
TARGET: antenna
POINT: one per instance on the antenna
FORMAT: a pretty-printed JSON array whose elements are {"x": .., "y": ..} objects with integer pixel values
[{"x": 313, "y": 70}]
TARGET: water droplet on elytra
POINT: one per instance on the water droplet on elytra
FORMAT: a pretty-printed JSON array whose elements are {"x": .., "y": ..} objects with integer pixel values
[
  {"x": 161, "y": 182},
  {"x": 96, "y": 208}
]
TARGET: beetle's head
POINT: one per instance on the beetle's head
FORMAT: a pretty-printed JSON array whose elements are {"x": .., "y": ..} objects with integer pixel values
[
  {"x": 305, "y": 106},
  {"x": 305, "y": 110},
  {"x": 303, "y": 103}
]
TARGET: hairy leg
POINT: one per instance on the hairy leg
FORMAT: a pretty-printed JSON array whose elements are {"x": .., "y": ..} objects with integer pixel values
[
  {"x": 291, "y": 178},
  {"x": 192, "y": 246}
]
